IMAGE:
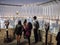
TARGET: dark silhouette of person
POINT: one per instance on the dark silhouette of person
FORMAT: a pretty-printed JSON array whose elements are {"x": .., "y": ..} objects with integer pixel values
[
  {"x": 58, "y": 38},
  {"x": 46, "y": 29},
  {"x": 18, "y": 32},
  {"x": 35, "y": 27},
  {"x": 28, "y": 31},
  {"x": 24, "y": 26}
]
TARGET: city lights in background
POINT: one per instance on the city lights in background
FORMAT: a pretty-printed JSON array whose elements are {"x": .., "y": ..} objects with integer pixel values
[
  {"x": 48, "y": 12},
  {"x": 46, "y": 9}
]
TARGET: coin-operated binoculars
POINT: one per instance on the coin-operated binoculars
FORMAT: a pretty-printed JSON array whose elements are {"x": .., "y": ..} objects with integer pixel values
[
  {"x": 7, "y": 24},
  {"x": 47, "y": 25}
]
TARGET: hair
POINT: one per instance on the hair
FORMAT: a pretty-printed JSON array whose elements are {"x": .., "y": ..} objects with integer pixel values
[
  {"x": 19, "y": 22},
  {"x": 25, "y": 21},
  {"x": 34, "y": 17}
]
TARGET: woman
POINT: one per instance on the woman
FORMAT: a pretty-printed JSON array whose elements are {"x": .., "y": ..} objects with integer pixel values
[
  {"x": 18, "y": 32},
  {"x": 28, "y": 29},
  {"x": 24, "y": 26}
]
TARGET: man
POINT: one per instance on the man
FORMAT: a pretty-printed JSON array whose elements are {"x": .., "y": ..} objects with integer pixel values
[{"x": 35, "y": 27}]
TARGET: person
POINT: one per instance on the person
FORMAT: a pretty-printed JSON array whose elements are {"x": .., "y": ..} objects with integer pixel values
[
  {"x": 18, "y": 32},
  {"x": 47, "y": 26},
  {"x": 28, "y": 31},
  {"x": 35, "y": 27},
  {"x": 24, "y": 26},
  {"x": 58, "y": 37}
]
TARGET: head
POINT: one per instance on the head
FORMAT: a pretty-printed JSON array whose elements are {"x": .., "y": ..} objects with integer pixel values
[
  {"x": 25, "y": 21},
  {"x": 34, "y": 17},
  {"x": 19, "y": 22}
]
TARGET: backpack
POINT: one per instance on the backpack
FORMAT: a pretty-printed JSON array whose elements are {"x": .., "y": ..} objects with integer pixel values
[{"x": 37, "y": 25}]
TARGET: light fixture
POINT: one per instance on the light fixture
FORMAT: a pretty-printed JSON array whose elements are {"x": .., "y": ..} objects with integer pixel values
[{"x": 17, "y": 12}]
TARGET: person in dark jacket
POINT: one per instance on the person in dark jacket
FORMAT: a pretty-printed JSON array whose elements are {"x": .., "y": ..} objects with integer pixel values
[
  {"x": 18, "y": 31},
  {"x": 58, "y": 38},
  {"x": 35, "y": 27},
  {"x": 47, "y": 26}
]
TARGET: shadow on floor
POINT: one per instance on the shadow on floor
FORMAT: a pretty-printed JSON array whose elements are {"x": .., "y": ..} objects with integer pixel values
[{"x": 24, "y": 43}]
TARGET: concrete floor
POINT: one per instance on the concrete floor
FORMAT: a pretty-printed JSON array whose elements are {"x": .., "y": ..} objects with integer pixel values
[{"x": 23, "y": 41}]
